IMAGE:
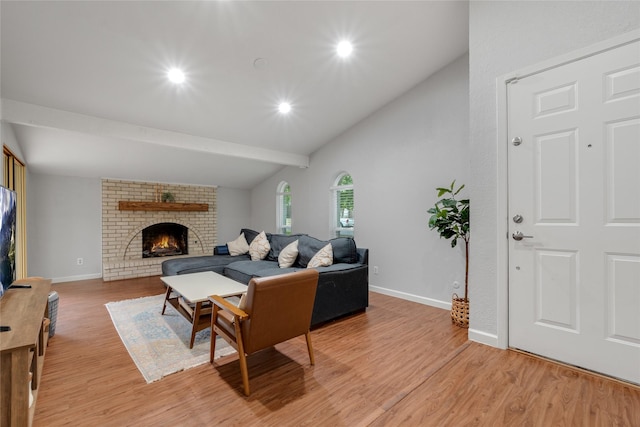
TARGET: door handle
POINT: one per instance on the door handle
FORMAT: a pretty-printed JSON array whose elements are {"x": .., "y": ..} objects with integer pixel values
[{"x": 519, "y": 236}]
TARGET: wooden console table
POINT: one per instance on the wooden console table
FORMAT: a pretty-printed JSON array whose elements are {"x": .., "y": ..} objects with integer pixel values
[{"x": 22, "y": 349}]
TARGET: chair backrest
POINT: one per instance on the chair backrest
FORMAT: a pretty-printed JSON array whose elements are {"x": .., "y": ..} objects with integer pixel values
[{"x": 279, "y": 308}]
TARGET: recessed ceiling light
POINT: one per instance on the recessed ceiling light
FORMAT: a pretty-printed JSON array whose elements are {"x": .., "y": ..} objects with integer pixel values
[
  {"x": 284, "y": 107},
  {"x": 175, "y": 75},
  {"x": 344, "y": 49}
]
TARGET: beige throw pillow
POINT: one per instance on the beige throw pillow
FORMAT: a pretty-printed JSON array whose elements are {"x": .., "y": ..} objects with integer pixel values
[
  {"x": 242, "y": 304},
  {"x": 323, "y": 258},
  {"x": 259, "y": 248},
  {"x": 238, "y": 246},
  {"x": 288, "y": 255}
]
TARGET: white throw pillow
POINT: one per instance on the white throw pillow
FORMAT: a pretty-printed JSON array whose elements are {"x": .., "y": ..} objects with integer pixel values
[
  {"x": 288, "y": 255},
  {"x": 238, "y": 246},
  {"x": 243, "y": 302},
  {"x": 323, "y": 258},
  {"x": 259, "y": 248}
]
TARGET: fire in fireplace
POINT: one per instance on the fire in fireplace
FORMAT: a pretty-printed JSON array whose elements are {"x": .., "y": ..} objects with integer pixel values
[{"x": 164, "y": 239}]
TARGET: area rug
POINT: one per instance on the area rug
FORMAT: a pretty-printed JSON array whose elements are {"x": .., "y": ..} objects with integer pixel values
[{"x": 159, "y": 344}]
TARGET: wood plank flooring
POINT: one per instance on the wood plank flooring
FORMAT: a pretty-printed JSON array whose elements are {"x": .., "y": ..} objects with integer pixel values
[{"x": 400, "y": 363}]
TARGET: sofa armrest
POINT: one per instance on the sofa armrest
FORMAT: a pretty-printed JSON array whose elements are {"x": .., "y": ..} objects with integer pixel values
[{"x": 363, "y": 256}]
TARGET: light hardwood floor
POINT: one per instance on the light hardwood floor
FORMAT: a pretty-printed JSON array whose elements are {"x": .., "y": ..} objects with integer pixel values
[{"x": 398, "y": 364}]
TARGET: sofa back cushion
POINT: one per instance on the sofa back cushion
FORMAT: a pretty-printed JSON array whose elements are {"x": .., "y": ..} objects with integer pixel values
[
  {"x": 249, "y": 234},
  {"x": 278, "y": 242},
  {"x": 344, "y": 249},
  {"x": 307, "y": 247}
]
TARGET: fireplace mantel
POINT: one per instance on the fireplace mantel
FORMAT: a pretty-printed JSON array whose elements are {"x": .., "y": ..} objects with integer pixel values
[{"x": 162, "y": 206}]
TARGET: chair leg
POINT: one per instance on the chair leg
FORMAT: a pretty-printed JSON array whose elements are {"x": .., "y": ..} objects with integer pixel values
[
  {"x": 245, "y": 373},
  {"x": 310, "y": 347},
  {"x": 212, "y": 346},
  {"x": 243, "y": 358}
]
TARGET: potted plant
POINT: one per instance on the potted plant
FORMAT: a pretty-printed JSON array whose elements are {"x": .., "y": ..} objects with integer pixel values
[
  {"x": 168, "y": 197},
  {"x": 450, "y": 217}
]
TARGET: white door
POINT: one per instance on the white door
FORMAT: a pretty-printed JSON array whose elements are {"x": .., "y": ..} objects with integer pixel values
[{"x": 574, "y": 195}]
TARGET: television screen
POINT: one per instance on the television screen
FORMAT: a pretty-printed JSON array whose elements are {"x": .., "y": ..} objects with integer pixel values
[{"x": 7, "y": 239}]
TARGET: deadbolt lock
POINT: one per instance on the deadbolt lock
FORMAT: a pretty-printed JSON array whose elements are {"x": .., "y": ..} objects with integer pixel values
[
  {"x": 517, "y": 219},
  {"x": 516, "y": 141}
]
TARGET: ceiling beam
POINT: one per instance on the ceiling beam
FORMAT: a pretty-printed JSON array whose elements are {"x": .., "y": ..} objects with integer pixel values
[{"x": 44, "y": 117}]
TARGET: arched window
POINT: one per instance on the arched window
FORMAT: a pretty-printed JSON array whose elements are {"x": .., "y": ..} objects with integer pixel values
[
  {"x": 283, "y": 208},
  {"x": 343, "y": 206}
]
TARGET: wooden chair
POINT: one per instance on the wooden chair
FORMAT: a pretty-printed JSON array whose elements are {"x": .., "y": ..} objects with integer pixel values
[{"x": 276, "y": 309}]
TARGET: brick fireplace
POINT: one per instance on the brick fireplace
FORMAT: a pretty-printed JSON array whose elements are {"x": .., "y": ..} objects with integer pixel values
[{"x": 129, "y": 207}]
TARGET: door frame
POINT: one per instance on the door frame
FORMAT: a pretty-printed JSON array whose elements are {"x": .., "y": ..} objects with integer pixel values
[{"x": 502, "y": 339}]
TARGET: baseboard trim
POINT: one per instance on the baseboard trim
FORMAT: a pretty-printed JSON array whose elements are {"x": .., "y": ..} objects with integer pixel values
[
  {"x": 484, "y": 338},
  {"x": 410, "y": 297},
  {"x": 76, "y": 278}
]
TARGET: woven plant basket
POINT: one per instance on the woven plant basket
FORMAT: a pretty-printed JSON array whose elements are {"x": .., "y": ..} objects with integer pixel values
[{"x": 460, "y": 311}]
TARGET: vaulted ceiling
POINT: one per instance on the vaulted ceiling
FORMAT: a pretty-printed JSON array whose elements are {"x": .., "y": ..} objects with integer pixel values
[{"x": 83, "y": 83}]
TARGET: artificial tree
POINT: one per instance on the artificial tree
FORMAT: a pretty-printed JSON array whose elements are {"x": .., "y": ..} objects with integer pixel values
[{"x": 450, "y": 217}]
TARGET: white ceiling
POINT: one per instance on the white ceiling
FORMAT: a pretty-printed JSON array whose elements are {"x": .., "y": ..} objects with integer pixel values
[{"x": 99, "y": 69}]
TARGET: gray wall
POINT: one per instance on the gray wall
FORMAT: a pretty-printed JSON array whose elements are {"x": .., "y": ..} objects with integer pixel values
[
  {"x": 397, "y": 157},
  {"x": 234, "y": 213},
  {"x": 505, "y": 37},
  {"x": 65, "y": 223}
]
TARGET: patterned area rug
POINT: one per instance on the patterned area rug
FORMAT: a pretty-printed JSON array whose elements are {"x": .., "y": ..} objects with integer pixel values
[{"x": 159, "y": 344}]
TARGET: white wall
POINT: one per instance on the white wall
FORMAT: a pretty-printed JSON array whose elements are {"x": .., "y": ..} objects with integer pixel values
[
  {"x": 397, "y": 157},
  {"x": 504, "y": 37}
]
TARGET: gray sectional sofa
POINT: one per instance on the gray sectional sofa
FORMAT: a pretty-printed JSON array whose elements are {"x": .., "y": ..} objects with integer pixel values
[{"x": 343, "y": 286}]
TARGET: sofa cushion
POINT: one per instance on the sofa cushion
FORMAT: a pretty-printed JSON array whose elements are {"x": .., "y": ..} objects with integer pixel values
[
  {"x": 307, "y": 247},
  {"x": 238, "y": 246},
  {"x": 243, "y": 271},
  {"x": 249, "y": 234},
  {"x": 344, "y": 250},
  {"x": 288, "y": 255},
  {"x": 322, "y": 258},
  {"x": 278, "y": 242},
  {"x": 266, "y": 272},
  {"x": 215, "y": 263},
  {"x": 259, "y": 248}
]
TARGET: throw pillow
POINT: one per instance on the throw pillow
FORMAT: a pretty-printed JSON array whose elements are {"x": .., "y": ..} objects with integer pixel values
[
  {"x": 288, "y": 255},
  {"x": 278, "y": 242},
  {"x": 238, "y": 246},
  {"x": 243, "y": 302},
  {"x": 259, "y": 248},
  {"x": 323, "y": 258},
  {"x": 221, "y": 250}
]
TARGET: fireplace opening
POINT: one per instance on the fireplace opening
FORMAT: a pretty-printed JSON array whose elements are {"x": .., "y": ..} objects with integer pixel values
[{"x": 165, "y": 239}]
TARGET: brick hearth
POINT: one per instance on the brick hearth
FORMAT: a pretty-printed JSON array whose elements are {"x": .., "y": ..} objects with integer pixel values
[{"x": 122, "y": 229}]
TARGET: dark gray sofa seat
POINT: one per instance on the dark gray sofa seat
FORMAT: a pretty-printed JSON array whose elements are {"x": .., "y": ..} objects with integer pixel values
[
  {"x": 244, "y": 271},
  {"x": 215, "y": 263}
]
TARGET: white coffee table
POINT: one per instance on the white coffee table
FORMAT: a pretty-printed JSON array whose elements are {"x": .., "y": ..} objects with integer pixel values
[{"x": 191, "y": 296}]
